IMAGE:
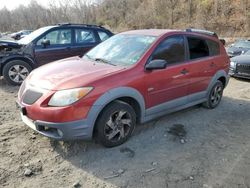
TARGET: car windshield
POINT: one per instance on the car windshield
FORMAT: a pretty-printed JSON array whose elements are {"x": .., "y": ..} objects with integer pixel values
[
  {"x": 29, "y": 38},
  {"x": 242, "y": 44},
  {"x": 121, "y": 49}
]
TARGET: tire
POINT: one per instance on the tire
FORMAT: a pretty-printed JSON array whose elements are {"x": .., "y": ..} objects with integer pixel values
[
  {"x": 16, "y": 71},
  {"x": 115, "y": 124},
  {"x": 214, "y": 96}
]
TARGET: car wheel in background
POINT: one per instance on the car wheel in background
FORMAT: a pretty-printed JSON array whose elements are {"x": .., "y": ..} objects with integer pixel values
[
  {"x": 16, "y": 71},
  {"x": 115, "y": 124}
]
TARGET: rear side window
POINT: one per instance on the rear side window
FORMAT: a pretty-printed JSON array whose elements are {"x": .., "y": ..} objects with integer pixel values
[
  {"x": 103, "y": 35},
  {"x": 84, "y": 36},
  {"x": 214, "y": 48},
  {"x": 198, "y": 48},
  {"x": 172, "y": 49}
]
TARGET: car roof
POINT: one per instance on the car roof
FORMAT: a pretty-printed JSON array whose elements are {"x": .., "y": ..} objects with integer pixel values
[
  {"x": 160, "y": 32},
  {"x": 75, "y": 25},
  {"x": 150, "y": 32}
]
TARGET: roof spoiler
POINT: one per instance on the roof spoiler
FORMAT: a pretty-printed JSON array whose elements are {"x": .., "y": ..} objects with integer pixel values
[
  {"x": 206, "y": 32},
  {"x": 223, "y": 41}
]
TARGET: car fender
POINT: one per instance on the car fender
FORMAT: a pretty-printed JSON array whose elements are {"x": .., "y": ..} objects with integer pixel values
[
  {"x": 27, "y": 59},
  {"x": 219, "y": 74},
  {"x": 110, "y": 96}
]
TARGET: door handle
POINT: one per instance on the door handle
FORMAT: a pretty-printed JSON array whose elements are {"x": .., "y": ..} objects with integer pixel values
[
  {"x": 184, "y": 71},
  {"x": 212, "y": 64}
]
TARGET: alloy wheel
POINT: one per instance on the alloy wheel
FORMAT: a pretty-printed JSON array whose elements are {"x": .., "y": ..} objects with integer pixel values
[
  {"x": 118, "y": 126},
  {"x": 18, "y": 73},
  {"x": 216, "y": 95}
]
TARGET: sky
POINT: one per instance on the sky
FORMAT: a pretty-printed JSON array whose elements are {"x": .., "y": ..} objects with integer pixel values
[{"x": 12, "y": 4}]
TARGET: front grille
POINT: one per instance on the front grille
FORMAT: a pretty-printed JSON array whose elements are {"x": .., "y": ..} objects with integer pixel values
[
  {"x": 30, "y": 96},
  {"x": 243, "y": 69}
]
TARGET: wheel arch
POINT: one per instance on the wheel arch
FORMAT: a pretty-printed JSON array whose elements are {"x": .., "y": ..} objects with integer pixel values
[
  {"x": 125, "y": 94},
  {"x": 223, "y": 80},
  {"x": 222, "y": 76},
  {"x": 21, "y": 58}
]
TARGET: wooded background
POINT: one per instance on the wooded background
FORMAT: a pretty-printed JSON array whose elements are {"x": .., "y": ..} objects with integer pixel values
[{"x": 226, "y": 17}]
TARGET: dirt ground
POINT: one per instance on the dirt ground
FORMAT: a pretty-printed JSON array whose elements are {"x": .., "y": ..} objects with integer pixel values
[{"x": 215, "y": 152}]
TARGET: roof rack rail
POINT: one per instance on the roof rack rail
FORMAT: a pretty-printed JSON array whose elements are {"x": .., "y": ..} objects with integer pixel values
[
  {"x": 206, "y": 32},
  {"x": 88, "y": 25}
]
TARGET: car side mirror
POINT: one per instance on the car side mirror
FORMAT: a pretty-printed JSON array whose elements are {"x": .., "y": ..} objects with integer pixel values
[
  {"x": 156, "y": 64},
  {"x": 45, "y": 42}
]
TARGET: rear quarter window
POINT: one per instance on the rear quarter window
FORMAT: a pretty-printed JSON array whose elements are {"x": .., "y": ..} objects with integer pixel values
[
  {"x": 103, "y": 35},
  {"x": 214, "y": 48}
]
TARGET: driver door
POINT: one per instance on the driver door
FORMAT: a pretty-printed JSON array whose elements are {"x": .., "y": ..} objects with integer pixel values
[
  {"x": 167, "y": 88},
  {"x": 60, "y": 46}
]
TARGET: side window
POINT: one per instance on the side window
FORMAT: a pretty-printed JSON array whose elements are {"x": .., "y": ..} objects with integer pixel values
[
  {"x": 214, "y": 48},
  {"x": 84, "y": 36},
  {"x": 103, "y": 35},
  {"x": 197, "y": 48},
  {"x": 57, "y": 37},
  {"x": 172, "y": 49}
]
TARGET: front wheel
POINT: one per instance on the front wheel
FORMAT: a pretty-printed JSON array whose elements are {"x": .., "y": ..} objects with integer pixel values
[
  {"x": 215, "y": 95},
  {"x": 115, "y": 124},
  {"x": 16, "y": 71}
]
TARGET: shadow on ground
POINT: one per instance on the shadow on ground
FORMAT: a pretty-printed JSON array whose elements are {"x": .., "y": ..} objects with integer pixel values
[
  {"x": 154, "y": 157},
  {"x": 7, "y": 87}
]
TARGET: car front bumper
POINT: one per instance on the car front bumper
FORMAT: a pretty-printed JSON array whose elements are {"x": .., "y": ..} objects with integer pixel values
[
  {"x": 60, "y": 131},
  {"x": 234, "y": 73}
]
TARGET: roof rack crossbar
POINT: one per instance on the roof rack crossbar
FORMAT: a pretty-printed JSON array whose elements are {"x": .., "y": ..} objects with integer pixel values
[
  {"x": 206, "y": 32},
  {"x": 88, "y": 25}
]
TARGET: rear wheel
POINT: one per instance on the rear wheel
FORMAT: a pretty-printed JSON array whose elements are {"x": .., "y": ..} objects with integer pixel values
[
  {"x": 115, "y": 124},
  {"x": 215, "y": 95},
  {"x": 16, "y": 71}
]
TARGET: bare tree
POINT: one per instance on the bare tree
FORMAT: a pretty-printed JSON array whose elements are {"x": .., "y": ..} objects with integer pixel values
[{"x": 225, "y": 16}]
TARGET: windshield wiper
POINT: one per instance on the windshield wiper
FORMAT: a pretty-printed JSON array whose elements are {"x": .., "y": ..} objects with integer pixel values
[{"x": 104, "y": 61}]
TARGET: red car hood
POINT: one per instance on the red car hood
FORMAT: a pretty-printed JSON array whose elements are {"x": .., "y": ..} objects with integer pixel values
[{"x": 69, "y": 73}]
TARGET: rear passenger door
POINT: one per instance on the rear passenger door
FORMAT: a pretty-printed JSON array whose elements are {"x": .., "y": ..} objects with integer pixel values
[
  {"x": 202, "y": 66},
  {"x": 84, "y": 40}
]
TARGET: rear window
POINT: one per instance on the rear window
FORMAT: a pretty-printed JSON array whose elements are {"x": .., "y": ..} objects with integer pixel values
[
  {"x": 198, "y": 48},
  {"x": 214, "y": 48}
]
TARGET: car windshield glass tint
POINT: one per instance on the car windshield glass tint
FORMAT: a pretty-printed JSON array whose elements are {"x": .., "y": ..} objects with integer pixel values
[
  {"x": 242, "y": 44},
  {"x": 122, "y": 50},
  {"x": 29, "y": 38}
]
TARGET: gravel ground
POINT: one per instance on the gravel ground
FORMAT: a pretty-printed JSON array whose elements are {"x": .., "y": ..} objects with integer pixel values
[{"x": 211, "y": 149}]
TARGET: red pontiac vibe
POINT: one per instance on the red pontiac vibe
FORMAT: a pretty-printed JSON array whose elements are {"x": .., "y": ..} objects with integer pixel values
[{"x": 131, "y": 78}]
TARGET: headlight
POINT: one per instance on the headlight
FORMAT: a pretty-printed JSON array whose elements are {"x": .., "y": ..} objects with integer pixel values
[
  {"x": 233, "y": 64},
  {"x": 69, "y": 96}
]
